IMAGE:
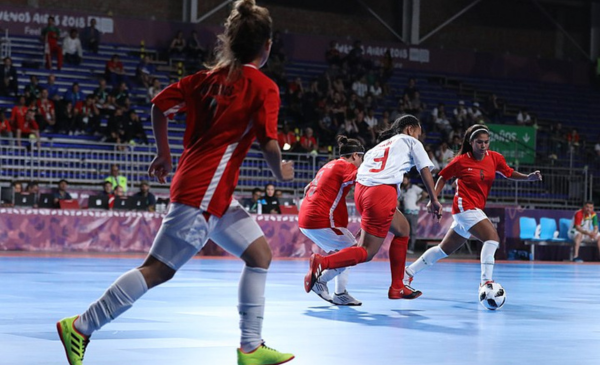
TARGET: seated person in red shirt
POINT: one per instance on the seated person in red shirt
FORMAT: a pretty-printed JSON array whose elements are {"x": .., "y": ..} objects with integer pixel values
[
  {"x": 28, "y": 127},
  {"x": 308, "y": 142},
  {"x": 5, "y": 128},
  {"x": 286, "y": 136}
]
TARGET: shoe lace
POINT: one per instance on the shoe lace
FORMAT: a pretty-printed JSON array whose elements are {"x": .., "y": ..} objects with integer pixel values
[{"x": 268, "y": 348}]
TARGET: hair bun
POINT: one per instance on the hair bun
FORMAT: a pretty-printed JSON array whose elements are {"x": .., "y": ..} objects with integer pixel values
[
  {"x": 245, "y": 7},
  {"x": 341, "y": 140}
]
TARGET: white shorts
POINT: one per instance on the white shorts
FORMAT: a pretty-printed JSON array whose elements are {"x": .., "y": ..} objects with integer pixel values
[
  {"x": 587, "y": 239},
  {"x": 184, "y": 231},
  {"x": 329, "y": 240},
  {"x": 465, "y": 220}
]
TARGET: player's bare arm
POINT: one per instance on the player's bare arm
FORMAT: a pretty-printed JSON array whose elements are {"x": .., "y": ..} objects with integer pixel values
[
  {"x": 283, "y": 170},
  {"x": 162, "y": 164}
]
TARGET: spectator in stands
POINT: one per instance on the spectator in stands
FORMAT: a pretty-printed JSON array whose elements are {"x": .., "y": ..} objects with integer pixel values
[
  {"x": 270, "y": 204},
  {"x": 118, "y": 192},
  {"x": 153, "y": 90},
  {"x": 456, "y": 143},
  {"x": 114, "y": 71},
  {"x": 195, "y": 49},
  {"x": 61, "y": 192},
  {"x": 557, "y": 138},
  {"x": 28, "y": 127},
  {"x": 101, "y": 94},
  {"x": 53, "y": 89},
  {"x": 376, "y": 91},
  {"x": 475, "y": 114},
  {"x": 523, "y": 118},
  {"x": 72, "y": 50},
  {"x": 134, "y": 129},
  {"x": 441, "y": 107},
  {"x": 584, "y": 228},
  {"x": 494, "y": 108},
  {"x": 355, "y": 57},
  {"x": 88, "y": 117},
  {"x": 67, "y": 119},
  {"x": 91, "y": 36},
  {"x": 46, "y": 113},
  {"x": 349, "y": 129},
  {"x": 573, "y": 138},
  {"x": 332, "y": 55},
  {"x": 398, "y": 112},
  {"x": 410, "y": 197},
  {"x": 414, "y": 106},
  {"x": 308, "y": 142},
  {"x": 10, "y": 81},
  {"x": 383, "y": 124},
  {"x": 33, "y": 90},
  {"x": 5, "y": 125},
  {"x": 143, "y": 72},
  {"x": 50, "y": 37},
  {"x": 444, "y": 154},
  {"x": 107, "y": 189},
  {"x": 74, "y": 95},
  {"x": 177, "y": 46},
  {"x": 371, "y": 120},
  {"x": 369, "y": 102},
  {"x": 8, "y": 196},
  {"x": 410, "y": 90},
  {"x": 115, "y": 129},
  {"x": 145, "y": 193},
  {"x": 121, "y": 93},
  {"x": 461, "y": 115},
  {"x": 115, "y": 179},
  {"x": 18, "y": 112},
  {"x": 360, "y": 87},
  {"x": 387, "y": 67},
  {"x": 251, "y": 204},
  {"x": 442, "y": 124},
  {"x": 33, "y": 188},
  {"x": 286, "y": 137}
]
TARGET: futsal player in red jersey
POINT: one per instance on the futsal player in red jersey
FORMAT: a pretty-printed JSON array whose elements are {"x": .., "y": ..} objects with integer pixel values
[
  {"x": 475, "y": 169},
  {"x": 323, "y": 215},
  {"x": 376, "y": 196},
  {"x": 227, "y": 107}
]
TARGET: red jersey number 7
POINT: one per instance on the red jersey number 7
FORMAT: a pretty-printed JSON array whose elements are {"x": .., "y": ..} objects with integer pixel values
[{"x": 382, "y": 159}]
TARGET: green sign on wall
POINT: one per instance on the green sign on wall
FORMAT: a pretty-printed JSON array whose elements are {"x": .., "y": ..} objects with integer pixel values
[{"x": 516, "y": 143}]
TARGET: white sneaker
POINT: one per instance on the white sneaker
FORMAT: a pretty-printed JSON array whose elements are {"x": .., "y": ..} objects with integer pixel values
[
  {"x": 345, "y": 299},
  {"x": 320, "y": 288}
]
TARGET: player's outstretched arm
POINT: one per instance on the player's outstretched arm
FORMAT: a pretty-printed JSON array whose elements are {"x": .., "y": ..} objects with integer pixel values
[
  {"x": 283, "y": 170},
  {"x": 162, "y": 165},
  {"x": 434, "y": 205},
  {"x": 534, "y": 176}
]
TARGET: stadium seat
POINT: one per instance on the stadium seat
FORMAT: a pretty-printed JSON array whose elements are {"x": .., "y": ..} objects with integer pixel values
[
  {"x": 548, "y": 228},
  {"x": 564, "y": 225},
  {"x": 527, "y": 228}
]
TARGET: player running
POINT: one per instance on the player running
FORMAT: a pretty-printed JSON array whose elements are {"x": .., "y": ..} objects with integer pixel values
[
  {"x": 475, "y": 169},
  {"x": 227, "y": 106},
  {"x": 376, "y": 199},
  {"x": 324, "y": 216}
]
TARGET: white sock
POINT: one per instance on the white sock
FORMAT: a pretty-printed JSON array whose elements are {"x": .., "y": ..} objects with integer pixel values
[
  {"x": 341, "y": 280},
  {"x": 117, "y": 299},
  {"x": 428, "y": 258},
  {"x": 251, "y": 296},
  {"x": 487, "y": 260},
  {"x": 330, "y": 274}
]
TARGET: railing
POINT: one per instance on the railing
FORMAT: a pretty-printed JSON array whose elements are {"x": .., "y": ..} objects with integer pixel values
[
  {"x": 89, "y": 166},
  {"x": 561, "y": 186},
  {"x": 5, "y": 45}
]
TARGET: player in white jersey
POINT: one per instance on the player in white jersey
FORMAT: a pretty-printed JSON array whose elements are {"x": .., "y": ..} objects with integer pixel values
[{"x": 376, "y": 195}]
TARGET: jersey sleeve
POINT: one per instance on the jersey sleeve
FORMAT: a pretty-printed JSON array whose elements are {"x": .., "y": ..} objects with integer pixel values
[
  {"x": 171, "y": 100},
  {"x": 502, "y": 167},
  {"x": 420, "y": 157},
  {"x": 350, "y": 172},
  {"x": 265, "y": 118},
  {"x": 595, "y": 220},
  {"x": 577, "y": 219},
  {"x": 451, "y": 169}
]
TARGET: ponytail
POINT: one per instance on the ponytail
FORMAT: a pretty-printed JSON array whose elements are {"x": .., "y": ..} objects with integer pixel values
[
  {"x": 398, "y": 127},
  {"x": 348, "y": 146}
]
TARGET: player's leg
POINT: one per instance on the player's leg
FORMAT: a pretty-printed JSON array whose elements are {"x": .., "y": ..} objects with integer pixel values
[
  {"x": 179, "y": 239},
  {"x": 400, "y": 227},
  {"x": 450, "y": 243},
  {"x": 577, "y": 238},
  {"x": 413, "y": 220},
  {"x": 239, "y": 234},
  {"x": 486, "y": 233}
]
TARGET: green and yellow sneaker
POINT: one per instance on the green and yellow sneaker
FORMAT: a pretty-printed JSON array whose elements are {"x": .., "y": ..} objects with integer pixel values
[
  {"x": 73, "y": 341},
  {"x": 263, "y": 355}
]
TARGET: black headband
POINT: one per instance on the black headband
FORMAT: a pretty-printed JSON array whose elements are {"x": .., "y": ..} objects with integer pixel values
[{"x": 350, "y": 149}]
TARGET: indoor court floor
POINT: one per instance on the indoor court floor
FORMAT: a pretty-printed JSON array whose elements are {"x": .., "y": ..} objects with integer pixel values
[{"x": 552, "y": 315}]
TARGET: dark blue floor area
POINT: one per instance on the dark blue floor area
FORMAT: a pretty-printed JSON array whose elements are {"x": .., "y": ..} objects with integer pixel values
[{"x": 552, "y": 315}]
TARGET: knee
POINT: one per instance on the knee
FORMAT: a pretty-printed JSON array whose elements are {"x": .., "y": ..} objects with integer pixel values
[
  {"x": 262, "y": 260},
  {"x": 156, "y": 273}
]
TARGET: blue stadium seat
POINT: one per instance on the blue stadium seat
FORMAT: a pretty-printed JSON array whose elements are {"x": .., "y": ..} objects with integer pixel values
[
  {"x": 527, "y": 228},
  {"x": 547, "y": 228},
  {"x": 564, "y": 225}
]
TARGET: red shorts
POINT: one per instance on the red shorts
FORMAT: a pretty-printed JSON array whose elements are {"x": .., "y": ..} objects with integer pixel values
[{"x": 376, "y": 205}]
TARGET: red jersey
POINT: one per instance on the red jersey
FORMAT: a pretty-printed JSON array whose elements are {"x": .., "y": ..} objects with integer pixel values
[
  {"x": 18, "y": 115},
  {"x": 324, "y": 205},
  {"x": 46, "y": 109},
  {"x": 223, "y": 119},
  {"x": 28, "y": 126},
  {"x": 5, "y": 126},
  {"x": 474, "y": 179}
]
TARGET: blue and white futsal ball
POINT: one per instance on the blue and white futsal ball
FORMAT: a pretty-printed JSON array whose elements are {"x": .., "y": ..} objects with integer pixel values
[{"x": 492, "y": 296}]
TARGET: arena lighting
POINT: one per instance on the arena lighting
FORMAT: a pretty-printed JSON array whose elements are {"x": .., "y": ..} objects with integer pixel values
[{"x": 286, "y": 147}]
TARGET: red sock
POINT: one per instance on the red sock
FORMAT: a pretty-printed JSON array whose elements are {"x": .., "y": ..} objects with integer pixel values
[
  {"x": 398, "y": 260},
  {"x": 347, "y": 257}
]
